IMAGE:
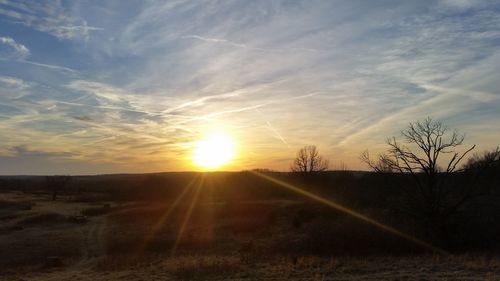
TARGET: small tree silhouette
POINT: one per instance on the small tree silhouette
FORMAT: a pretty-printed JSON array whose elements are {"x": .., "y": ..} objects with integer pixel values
[{"x": 309, "y": 160}]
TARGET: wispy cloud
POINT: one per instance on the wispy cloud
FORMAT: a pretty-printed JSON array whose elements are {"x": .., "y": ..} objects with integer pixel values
[
  {"x": 13, "y": 49},
  {"x": 12, "y": 82},
  {"x": 46, "y": 16},
  {"x": 215, "y": 40},
  {"x": 275, "y": 74}
]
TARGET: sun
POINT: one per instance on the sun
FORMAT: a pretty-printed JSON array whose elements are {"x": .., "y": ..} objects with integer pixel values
[{"x": 213, "y": 151}]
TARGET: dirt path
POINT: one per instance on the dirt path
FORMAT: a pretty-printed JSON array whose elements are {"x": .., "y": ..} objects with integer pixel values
[
  {"x": 93, "y": 245},
  {"x": 94, "y": 241}
]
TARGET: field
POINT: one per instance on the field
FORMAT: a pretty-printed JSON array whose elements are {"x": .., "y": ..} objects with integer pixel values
[{"x": 203, "y": 232}]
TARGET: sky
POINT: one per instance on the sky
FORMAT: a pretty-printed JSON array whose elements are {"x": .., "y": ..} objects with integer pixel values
[{"x": 93, "y": 87}]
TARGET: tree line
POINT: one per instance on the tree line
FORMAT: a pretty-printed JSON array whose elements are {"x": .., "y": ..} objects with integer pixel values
[{"x": 427, "y": 157}]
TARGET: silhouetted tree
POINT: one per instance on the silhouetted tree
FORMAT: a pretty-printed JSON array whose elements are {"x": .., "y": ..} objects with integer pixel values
[
  {"x": 309, "y": 160},
  {"x": 483, "y": 172},
  {"x": 419, "y": 156},
  {"x": 56, "y": 184},
  {"x": 483, "y": 161}
]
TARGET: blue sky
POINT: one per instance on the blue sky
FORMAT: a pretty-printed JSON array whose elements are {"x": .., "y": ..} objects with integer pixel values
[{"x": 129, "y": 86}]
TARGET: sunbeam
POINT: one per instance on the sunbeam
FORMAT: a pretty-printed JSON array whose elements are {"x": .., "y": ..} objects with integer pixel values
[
  {"x": 351, "y": 212},
  {"x": 187, "y": 217},
  {"x": 156, "y": 227}
]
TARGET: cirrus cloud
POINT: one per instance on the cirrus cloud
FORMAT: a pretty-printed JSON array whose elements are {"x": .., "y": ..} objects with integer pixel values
[{"x": 12, "y": 49}]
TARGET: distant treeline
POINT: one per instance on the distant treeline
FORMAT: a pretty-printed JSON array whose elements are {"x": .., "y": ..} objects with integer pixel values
[{"x": 356, "y": 188}]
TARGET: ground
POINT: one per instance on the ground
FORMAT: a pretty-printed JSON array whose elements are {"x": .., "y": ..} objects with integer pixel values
[
  {"x": 34, "y": 229},
  {"x": 306, "y": 268}
]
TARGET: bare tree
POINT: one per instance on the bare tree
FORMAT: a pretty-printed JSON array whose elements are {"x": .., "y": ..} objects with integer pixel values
[
  {"x": 428, "y": 154},
  {"x": 381, "y": 165},
  {"x": 309, "y": 160}
]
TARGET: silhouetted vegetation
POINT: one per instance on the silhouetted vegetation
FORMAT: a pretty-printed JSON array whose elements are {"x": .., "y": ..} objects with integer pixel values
[
  {"x": 429, "y": 160},
  {"x": 308, "y": 160}
]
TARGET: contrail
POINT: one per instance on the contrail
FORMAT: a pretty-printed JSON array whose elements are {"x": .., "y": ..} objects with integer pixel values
[
  {"x": 271, "y": 127},
  {"x": 277, "y": 133}
]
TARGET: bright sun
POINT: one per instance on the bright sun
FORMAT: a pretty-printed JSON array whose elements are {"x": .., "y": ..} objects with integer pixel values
[{"x": 213, "y": 151}]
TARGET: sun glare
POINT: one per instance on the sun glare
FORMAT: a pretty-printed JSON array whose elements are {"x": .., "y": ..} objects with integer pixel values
[{"x": 213, "y": 151}]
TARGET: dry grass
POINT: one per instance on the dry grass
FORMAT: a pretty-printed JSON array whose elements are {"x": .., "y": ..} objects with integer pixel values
[
  {"x": 250, "y": 241},
  {"x": 212, "y": 267},
  {"x": 180, "y": 268},
  {"x": 43, "y": 219}
]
